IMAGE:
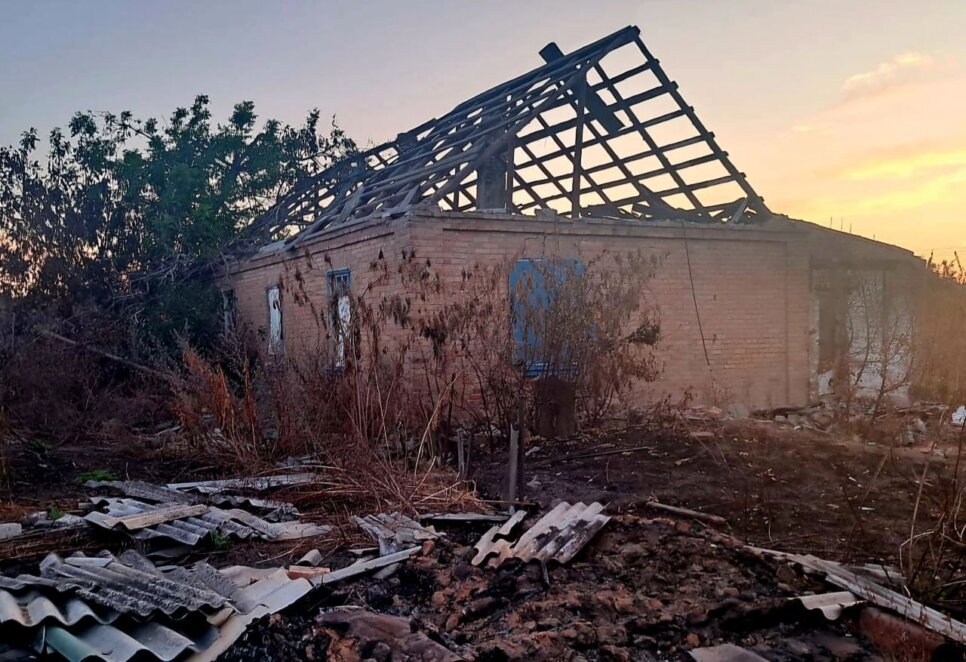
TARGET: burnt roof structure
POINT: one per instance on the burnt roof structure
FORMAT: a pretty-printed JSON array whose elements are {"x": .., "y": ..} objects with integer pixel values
[{"x": 601, "y": 131}]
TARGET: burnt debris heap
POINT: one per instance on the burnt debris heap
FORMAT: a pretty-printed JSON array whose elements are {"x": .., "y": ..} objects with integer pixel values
[{"x": 601, "y": 131}]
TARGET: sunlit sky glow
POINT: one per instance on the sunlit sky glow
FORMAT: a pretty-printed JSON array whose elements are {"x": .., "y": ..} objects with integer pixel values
[{"x": 852, "y": 113}]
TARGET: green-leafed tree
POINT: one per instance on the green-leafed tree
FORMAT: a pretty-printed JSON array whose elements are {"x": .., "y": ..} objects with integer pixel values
[{"x": 120, "y": 207}]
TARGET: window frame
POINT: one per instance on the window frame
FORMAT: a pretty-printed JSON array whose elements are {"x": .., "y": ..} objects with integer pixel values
[
  {"x": 276, "y": 347},
  {"x": 340, "y": 286},
  {"x": 229, "y": 308}
]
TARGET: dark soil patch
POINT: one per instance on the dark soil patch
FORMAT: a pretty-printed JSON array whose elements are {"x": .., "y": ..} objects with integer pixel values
[
  {"x": 645, "y": 589},
  {"x": 780, "y": 488}
]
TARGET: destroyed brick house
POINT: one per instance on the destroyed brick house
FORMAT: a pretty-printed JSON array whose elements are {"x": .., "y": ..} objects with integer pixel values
[{"x": 594, "y": 150}]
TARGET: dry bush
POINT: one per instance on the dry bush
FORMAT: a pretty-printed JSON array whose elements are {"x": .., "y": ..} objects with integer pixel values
[
  {"x": 940, "y": 339},
  {"x": 896, "y": 343},
  {"x": 246, "y": 421},
  {"x": 470, "y": 340},
  {"x": 64, "y": 392},
  {"x": 369, "y": 481},
  {"x": 590, "y": 323},
  {"x": 423, "y": 354},
  {"x": 215, "y": 417},
  {"x": 459, "y": 344},
  {"x": 880, "y": 330},
  {"x": 933, "y": 558}
]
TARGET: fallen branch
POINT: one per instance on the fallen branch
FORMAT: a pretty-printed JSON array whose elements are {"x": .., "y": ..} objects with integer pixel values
[
  {"x": 687, "y": 512},
  {"x": 602, "y": 453},
  {"x": 107, "y": 355}
]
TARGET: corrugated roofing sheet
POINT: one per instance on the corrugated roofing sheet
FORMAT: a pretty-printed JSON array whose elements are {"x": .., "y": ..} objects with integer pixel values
[
  {"x": 116, "y": 608},
  {"x": 557, "y": 536},
  {"x": 149, "y": 492},
  {"x": 145, "y": 491},
  {"x": 257, "y": 483},
  {"x": 192, "y": 529},
  {"x": 830, "y": 604},
  {"x": 131, "y": 584},
  {"x": 106, "y": 642},
  {"x": 393, "y": 531},
  {"x": 32, "y": 608}
]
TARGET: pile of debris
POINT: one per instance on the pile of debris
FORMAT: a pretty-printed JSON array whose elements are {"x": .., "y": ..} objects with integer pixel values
[
  {"x": 177, "y": 516},
  {"x": 634, "y": 589},
  {"x": 118, "y": 607},
  {"x": 572, "y": 583},
  {"x": 915, "y": 424}
]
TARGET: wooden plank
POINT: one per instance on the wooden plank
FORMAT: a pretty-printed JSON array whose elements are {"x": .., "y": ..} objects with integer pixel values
[
  {"x": 467, "y": 518},
  {"x": 639, "y": 156},
  {"x": 532, "y": 111},
  {"x": 513, "y": 464},
  {"x": 598, "y": 109},
  {"x": 889, "y": 599},
  {"x": 363, "y": 567},
  {"x": 578, "y": 149},
  {"x": 666, "y": 87},
  {"x": 757, "y": 203}
]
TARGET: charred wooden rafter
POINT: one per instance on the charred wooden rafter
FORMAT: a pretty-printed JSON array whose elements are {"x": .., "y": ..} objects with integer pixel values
[{"x": 540, "y": 127}]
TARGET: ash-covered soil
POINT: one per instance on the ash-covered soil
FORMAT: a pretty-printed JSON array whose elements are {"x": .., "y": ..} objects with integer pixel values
[{"x": 644, "y": 589}]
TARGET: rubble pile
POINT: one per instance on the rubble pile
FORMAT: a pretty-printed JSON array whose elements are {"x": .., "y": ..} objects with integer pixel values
[
  {"x": 119, "y": 607},
  {"x": 643, "y": 589},
  {"x": 626, "y": 578},
  {"x": 910, "y": 425}
]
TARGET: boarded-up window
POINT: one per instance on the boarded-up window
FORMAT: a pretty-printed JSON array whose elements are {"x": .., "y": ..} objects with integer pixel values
[
  {"x": 228, "y": 310},
  {"x": 275, "y": 339},
  {"x": 341, "y": 306}
]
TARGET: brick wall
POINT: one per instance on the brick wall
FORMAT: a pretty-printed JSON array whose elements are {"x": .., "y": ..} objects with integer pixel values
[
  {"x": 751, "y": 286},
  {"x": 303, "y": 277}
]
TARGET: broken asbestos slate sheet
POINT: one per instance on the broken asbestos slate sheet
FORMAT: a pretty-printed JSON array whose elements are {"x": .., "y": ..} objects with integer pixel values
[
  {"x": 117, "y": 607},
  {"x": 190, "y": 524},
  {"x": 556, "y": 536},
  {"x": 395, "y": 531}
]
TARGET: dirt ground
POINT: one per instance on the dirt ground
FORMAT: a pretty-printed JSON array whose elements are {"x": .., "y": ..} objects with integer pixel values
[
  {"x": 648, "y": 587},
  {"x": 39, "y": 475},
  {"x": 782, "y": 488},
  {"x": 787, "y": 489},
  {"x": 645, "y": 589}
]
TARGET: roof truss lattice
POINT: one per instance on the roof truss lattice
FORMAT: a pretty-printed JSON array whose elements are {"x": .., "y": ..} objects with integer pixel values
[{"x": 600, "y": 131}]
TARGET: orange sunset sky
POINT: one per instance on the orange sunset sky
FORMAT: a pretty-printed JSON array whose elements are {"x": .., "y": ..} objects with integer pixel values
[{"x": 852, "y": 111}]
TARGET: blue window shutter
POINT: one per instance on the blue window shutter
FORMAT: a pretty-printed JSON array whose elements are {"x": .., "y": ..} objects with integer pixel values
[{"x": 529, "y": 279}]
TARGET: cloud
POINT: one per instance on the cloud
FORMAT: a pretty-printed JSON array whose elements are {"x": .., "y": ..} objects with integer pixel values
[
  {"x": 919, "y": 110},
  {"x": 899, "y": 70},
  {"x": 888, "y": 154},
  {"x": 907, "y": 166},
  {"x": 946, "y": 188}
]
